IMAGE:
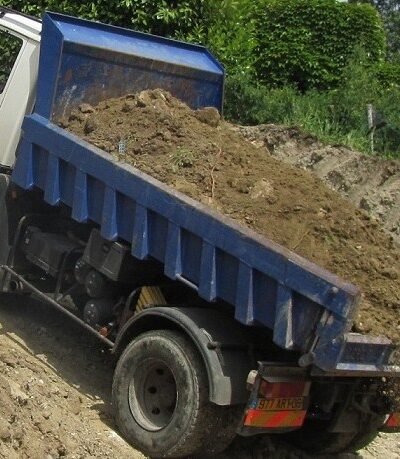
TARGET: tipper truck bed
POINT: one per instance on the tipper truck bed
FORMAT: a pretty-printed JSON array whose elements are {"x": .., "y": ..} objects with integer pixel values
[{"x": 197, "y": 308}]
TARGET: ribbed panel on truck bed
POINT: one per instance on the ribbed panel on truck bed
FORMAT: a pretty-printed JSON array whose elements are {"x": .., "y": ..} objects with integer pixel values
[{"x": 267, "y": 284}]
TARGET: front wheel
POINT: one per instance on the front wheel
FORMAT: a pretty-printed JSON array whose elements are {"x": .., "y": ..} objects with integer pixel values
[{"x": 160, "y": 395}]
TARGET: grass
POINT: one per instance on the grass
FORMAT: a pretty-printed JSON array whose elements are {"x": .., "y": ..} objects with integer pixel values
[{"x": 182, "y": 157}]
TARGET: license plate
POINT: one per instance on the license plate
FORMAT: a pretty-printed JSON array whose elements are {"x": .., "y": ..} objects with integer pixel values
[{"x": 281, "y": 404}]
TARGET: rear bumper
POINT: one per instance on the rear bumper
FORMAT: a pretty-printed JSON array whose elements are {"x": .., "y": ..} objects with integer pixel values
[
  {"x": 284, "y": 396},
  {"x": 355, "y": 355},
  {"x": 278, "y": 399}
]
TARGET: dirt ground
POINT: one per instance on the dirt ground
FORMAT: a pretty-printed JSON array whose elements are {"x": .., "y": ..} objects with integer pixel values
[
  {"x": 205, "y": 158},
  {"x": 55, "y": 389}
]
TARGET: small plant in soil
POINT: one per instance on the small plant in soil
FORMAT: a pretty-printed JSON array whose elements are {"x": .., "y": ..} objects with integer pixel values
[{"x": 182, "y": 157}]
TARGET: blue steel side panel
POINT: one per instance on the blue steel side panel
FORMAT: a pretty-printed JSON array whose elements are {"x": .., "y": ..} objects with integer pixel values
[
  {"x": 83, "y": 61},
  {"x": 265, "y": 283}
]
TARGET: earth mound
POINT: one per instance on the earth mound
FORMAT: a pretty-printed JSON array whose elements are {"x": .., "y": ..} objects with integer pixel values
[{"x": 371, "y": 182}]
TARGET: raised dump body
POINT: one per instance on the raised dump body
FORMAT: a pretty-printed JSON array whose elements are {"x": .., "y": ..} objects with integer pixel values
[{"x": 307, "y": 309}]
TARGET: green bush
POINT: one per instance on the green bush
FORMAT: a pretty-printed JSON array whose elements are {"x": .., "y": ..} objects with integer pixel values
[
  {"x": 388, "y": 74},
  {"x": 336, "y": 116},
  {"x": 248, "y": 102},
  {"x": 231, "y": 35},
  {"x": 309, "y": 42},
  {"x": 389, "y": 10},
  {"x": 162, "y": 17}
]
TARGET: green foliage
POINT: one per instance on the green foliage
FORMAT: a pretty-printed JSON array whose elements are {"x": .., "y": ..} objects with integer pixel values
[
  {"x": 390, "y": 12},
  {"x": 9, "y": 49},
  {"x": 182, "y": 157},
  {"x": 309, "y": 42},
  {"x": 231, "y": 35},
  {"x": 225, "y": 27},
  {"x": 391, "y": 15},
  {"x": 248, "y": 102},
  {"x": 162, "y": 17},
  {"x": 388, "y": 73},
  {"x": 336, "y": 116},
  {"x": 287, "y": 60}
]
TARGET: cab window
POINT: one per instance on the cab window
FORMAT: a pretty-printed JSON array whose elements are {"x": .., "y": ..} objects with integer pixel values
[{"x": 9, "y": 49}]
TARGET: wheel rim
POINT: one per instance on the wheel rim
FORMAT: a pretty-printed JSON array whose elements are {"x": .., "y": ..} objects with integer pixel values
[{"x": 152, "y": 394}]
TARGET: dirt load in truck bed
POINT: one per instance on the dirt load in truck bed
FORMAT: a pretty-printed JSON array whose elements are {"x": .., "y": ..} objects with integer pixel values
[{"x": 207, "y": 159}]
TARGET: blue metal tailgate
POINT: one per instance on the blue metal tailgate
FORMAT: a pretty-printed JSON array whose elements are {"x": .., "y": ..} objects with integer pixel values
[{"x": 85, "y": 61}]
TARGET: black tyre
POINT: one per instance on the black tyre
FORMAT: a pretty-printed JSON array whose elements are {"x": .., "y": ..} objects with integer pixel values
[
  {"x": 313, "y": 439},
  {"x": 160, "y": 397}
]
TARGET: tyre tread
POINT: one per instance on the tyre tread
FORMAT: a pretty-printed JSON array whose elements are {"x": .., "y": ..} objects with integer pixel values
[{"x": 212, "y": 427}]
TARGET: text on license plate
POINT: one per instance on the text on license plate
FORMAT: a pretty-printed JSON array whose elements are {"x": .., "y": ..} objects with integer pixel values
[{"x": 276, "y": 404}]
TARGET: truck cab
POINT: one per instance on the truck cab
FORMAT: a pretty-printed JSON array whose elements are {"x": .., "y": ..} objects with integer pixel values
[{"x": 19, "y": 57}]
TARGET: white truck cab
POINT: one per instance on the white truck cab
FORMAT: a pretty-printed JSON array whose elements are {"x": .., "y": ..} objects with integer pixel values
[{"x": 19, "y": 58}]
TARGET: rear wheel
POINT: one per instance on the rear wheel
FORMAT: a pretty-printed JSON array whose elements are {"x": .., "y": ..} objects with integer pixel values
[
  {"x": 160, "y": 395},
  {"x": 313, "y": 439}
]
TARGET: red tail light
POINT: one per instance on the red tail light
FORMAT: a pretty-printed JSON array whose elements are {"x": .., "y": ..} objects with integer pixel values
[{"x": 393, "y": 422}]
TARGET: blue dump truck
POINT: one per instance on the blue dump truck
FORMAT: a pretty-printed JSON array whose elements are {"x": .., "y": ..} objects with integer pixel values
[{"x": 217, "y": 331}]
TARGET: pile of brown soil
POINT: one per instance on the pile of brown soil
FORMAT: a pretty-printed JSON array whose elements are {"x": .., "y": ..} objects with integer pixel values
[
  {"x": 205, "y": 158},
  {"x": 372, "y": 183}
]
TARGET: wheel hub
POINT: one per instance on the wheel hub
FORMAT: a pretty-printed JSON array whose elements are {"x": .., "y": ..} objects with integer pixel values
[{"x": 152, "y": 394}]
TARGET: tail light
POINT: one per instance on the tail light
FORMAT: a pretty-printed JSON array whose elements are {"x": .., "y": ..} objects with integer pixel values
[{"x": 393, "y": 423}]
